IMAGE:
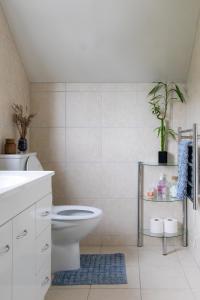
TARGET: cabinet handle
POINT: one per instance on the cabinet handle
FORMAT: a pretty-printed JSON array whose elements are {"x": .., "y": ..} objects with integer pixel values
[
  {"x": 21, "y": 235},
  {"x": 4, "y": 249},
  {"x": 45, "y": 281},
  {"x": 45, "y": 213},
  {"x": 45, "y": 248}
]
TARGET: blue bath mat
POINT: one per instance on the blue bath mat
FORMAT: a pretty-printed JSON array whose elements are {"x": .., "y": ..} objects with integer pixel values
[{"x": 95, "y": 269}]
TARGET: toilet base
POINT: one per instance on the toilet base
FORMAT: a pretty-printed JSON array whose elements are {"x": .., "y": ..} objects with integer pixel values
[{"x": 66, "y": 257}]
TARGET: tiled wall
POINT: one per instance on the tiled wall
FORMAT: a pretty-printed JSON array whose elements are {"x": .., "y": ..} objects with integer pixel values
[
  {"x": 193, "y": 115},
  {"x": 92, "y": 135},
  {"x": 14, "y": 85}
]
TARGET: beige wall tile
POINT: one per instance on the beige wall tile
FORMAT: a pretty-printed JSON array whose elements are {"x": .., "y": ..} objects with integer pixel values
[
  {"x": 119, "y": 109},
  {"x": 119, "y": 180},
  {"x": 83, "y": 109},
  {"x": 49, "y": 143},
  {"x": 48, "y": 87},
  {"x": 58, "y": 180},
  {"x": 83, "y": 144},
  {"x": 49, "y": 108},
  {"x": 83, "y": 180}
]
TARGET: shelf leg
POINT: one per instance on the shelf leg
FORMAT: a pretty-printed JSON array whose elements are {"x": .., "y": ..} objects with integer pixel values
[
  {"x": 185, "y": 231},
  {"x": 164, "y": 246},
  {"x": 140, "y": 204}
]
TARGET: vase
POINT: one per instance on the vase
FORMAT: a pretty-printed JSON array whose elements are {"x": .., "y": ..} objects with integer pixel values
[
  {"x": 22, "y": 144},
  {"x": 162, "y": 157}
]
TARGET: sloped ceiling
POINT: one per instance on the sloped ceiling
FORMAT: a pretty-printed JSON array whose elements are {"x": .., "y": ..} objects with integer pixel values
[{"x": 104, "y": 40}]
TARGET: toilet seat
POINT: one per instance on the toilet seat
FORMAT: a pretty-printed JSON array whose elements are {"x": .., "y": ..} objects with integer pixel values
[{"x": 74, "y": 212}]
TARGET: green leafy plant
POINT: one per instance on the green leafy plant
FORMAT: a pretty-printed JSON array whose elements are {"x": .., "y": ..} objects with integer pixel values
[{"x": 160, "y": 97}]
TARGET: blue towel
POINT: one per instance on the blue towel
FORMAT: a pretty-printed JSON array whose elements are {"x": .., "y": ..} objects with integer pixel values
[{"x": 182, "y": 169}]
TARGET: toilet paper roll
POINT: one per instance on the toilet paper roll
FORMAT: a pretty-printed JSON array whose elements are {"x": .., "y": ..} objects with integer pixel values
[
  {"x": 156, "y": 225},
  {"x": 170, "y": 225}
]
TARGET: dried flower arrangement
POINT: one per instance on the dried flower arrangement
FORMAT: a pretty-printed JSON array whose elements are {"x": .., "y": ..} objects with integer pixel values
[{"x": 22, "y": 119}]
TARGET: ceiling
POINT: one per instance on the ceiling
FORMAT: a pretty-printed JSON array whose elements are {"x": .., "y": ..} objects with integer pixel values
[{"x": 104, "y": 40}]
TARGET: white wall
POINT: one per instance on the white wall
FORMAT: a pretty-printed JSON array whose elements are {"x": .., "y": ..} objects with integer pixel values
[
  {"x": 93, "y": 135},
  {"x": 193, "y": 115},
  {"x": 14, "y": 85}
]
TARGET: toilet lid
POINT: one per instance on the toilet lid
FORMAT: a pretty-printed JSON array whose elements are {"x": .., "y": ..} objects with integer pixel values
[{"x": 73, "y": 212}]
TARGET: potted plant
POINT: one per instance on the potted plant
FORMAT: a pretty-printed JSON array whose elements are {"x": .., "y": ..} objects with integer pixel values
[
  {"x": 160, "y": 97},
  {"x": 22, "y": 120}
]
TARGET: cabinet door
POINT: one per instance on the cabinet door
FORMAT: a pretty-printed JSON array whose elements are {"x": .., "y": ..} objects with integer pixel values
[
  {"x": 6, "y": 261},
  {"x": 43, "y": 213},
  {"x": 24, "y": 263},
  {"x": 43, "y": 251}
]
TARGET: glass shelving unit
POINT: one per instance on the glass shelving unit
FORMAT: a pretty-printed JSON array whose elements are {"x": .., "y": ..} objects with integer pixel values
[{"x": 182, "y": 230}]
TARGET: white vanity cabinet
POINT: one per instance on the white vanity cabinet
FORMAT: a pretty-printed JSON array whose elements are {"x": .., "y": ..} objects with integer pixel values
[
  {"x": 25, "y": 241},
  {"x": 6, "y": 261}
]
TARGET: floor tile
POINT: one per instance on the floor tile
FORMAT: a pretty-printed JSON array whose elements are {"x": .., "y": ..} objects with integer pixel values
[
  {"x": 196, "y": 294},
  {"x": 131, "y": 253},
  {"x": 114, "y": 294},
  {"x": 185, "y": 257},
  {"x": 90, "y": 250},
  {"x": 133, "y": 281},
  {"x": 153, "y": 257},
  {"x": 69, "y": 294},
  {"x": 193, "y": 276},
  {"x": 60, "y": 287},
  {"x": 168, "y": 294},
  {"x": 163, "y": 277}
]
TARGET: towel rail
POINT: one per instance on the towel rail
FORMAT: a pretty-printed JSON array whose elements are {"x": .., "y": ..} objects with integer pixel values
[
  {"x": 194, "y": 137},
  {"x": 185, "y": 130}
]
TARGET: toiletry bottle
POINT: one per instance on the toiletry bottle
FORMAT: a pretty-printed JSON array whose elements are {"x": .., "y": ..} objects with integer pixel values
[
  {"x": 162, "y": 188},
  {"x": 173, "y": 187},
  {"x": 151, "y": 193}
]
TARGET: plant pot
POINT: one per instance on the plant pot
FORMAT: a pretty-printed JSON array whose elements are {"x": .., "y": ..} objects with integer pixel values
[
  {"x": 162, "y": 157},
  {"x": 22, "y": 145}
]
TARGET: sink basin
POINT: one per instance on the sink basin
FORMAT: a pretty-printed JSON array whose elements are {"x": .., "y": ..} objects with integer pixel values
[{"x": 10, "y": 181}]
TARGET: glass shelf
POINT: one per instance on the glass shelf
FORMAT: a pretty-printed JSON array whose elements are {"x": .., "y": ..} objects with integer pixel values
[
  {"x": 154, "y": 164},
  {"x": 169, "y": 199},
  {"x": 161, "y": 235}
]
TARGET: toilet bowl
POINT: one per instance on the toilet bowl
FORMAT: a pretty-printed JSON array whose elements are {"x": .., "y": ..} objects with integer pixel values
[{"x": 70, "y": 224}]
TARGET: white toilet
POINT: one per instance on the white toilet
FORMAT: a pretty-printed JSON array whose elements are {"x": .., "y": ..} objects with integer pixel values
[{"x": 70, "y": 223}]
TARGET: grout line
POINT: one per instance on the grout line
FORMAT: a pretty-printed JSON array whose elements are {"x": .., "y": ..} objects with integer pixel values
[
  {"x": 94, "y": 127},
  {"x": 89, "y": 291},
  {"x": 184, "y": 272}
]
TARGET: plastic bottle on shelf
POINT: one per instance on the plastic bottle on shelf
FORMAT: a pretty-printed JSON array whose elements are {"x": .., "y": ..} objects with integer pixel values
[
  {"x": 162, "y": 188},
  {"x": 173, "y": 187}
]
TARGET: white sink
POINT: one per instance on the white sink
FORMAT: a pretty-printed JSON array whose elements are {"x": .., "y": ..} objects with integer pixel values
[{"x": 10, "y": 181}]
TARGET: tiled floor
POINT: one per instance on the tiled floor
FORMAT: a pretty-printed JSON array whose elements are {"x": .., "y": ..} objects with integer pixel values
[{"x": 151, "y": 276}]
